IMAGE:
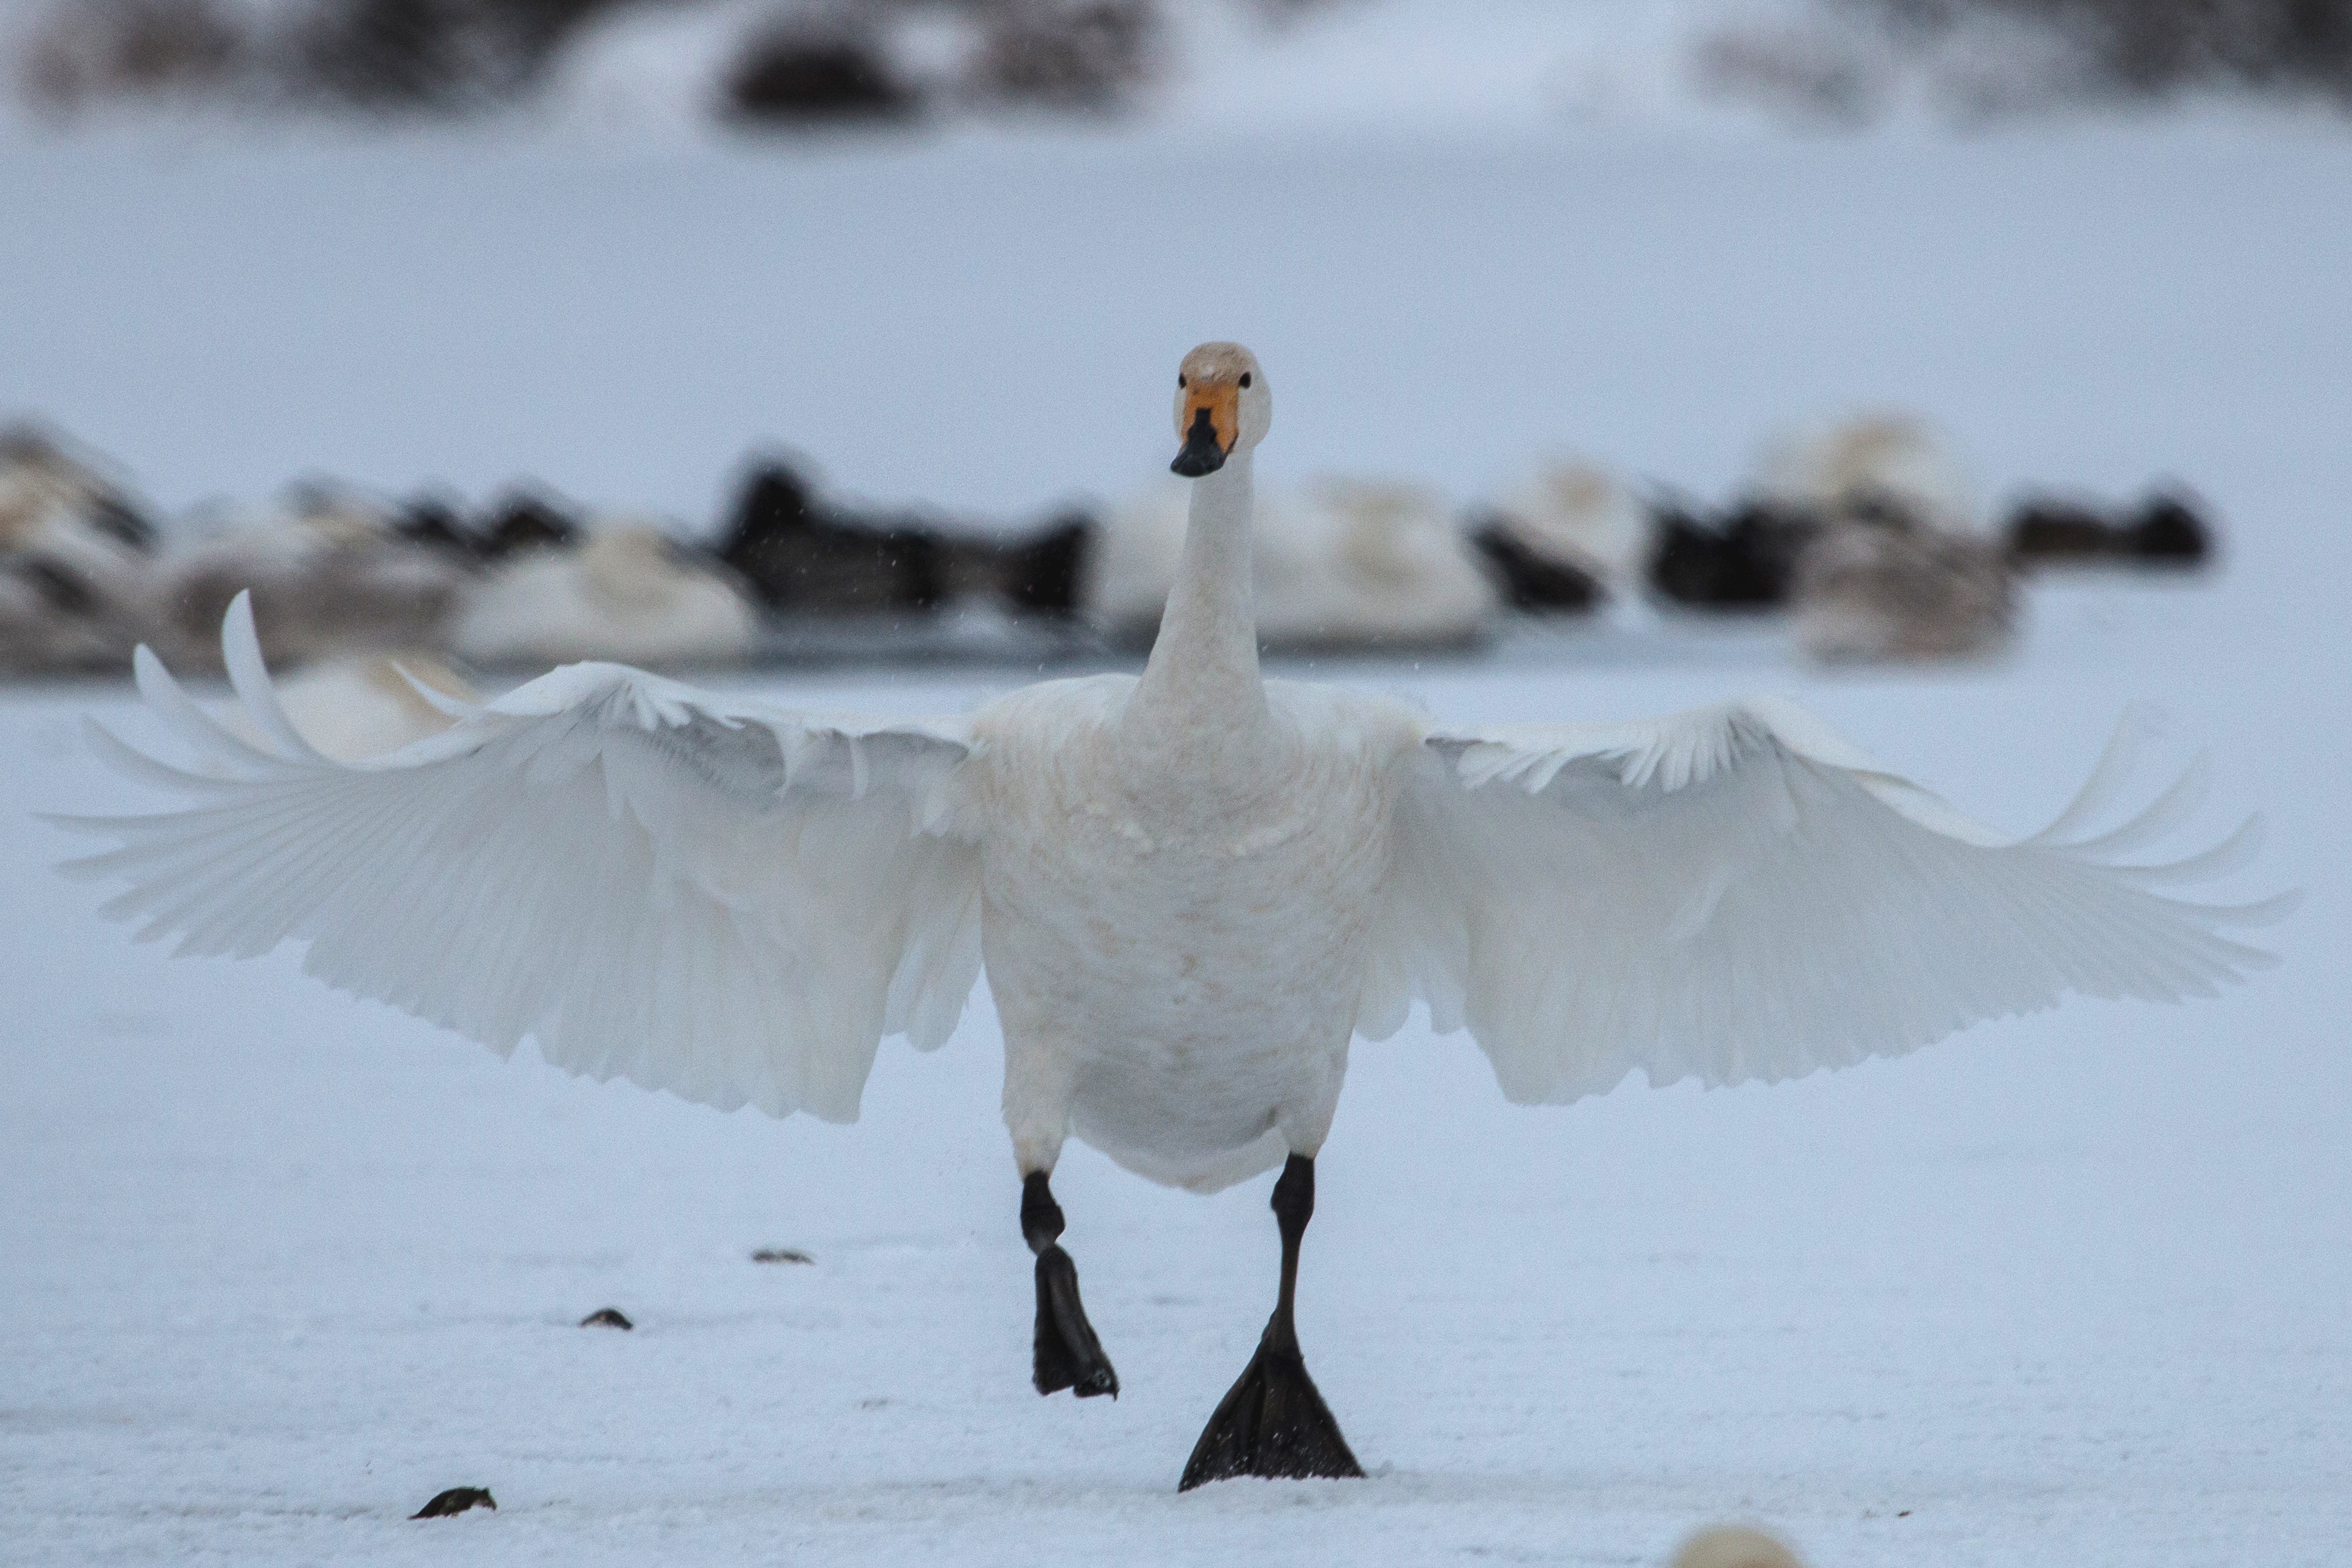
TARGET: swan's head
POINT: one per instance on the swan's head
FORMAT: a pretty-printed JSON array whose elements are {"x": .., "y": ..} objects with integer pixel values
[{"x": 1223, "y": 406}]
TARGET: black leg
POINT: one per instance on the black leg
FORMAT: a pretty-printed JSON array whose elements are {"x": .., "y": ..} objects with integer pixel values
[
  {"x": 1066, "y": 1355},
  {"x": 1273, "y": 1422}
]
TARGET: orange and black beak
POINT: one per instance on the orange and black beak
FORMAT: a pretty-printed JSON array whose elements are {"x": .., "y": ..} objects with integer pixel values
[{"x": 1211, "y": 424}]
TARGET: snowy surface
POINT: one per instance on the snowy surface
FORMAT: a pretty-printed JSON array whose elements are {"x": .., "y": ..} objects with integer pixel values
[{"x": 279, "y": 1266}]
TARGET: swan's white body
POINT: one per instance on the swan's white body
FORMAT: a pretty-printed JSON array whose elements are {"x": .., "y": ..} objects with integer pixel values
[{"x": 1191, "y": 890}]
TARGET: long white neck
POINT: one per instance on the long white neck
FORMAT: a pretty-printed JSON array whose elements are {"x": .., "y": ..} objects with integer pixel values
[{"x": 1204, "y": 660}]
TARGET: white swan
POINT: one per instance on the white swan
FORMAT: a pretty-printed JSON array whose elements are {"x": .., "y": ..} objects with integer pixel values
[
  {"x": 1334, "y": 564},
  {"x": 1189, "y": 890},
  {"x": 1880, "y": 462},
  {"x": 630, "y": 592},
  {"x": 359, "y": 707}
]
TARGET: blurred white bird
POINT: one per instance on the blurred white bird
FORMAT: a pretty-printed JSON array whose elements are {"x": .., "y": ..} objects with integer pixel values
[
  {"x": 1191, "y": 890},
  {"x": 1335, "y": 563},
  {"x": 362, "y": 707},
  {"x": 1882, "y": 463},
  {"x": 629, "y": 592}
]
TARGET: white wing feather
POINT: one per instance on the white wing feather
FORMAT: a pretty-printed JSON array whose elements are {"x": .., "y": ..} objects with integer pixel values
[
  {"x": 1736, "y": 893},
  {"x": 732, "y": 902}
]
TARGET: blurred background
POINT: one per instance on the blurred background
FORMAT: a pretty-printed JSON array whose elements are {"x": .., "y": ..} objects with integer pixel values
[{"x": 728, "y": 331}]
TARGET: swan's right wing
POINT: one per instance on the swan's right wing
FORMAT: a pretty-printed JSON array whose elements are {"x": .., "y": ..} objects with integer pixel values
[
  {"x": 1735, "y": 893},
  {"x": 731, "y": 902}
]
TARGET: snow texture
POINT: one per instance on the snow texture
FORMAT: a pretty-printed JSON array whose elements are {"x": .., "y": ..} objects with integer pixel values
[{"x": 280, "y": 1267}]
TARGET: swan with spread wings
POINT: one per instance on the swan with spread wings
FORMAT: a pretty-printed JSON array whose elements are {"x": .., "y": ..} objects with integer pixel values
[{"x": 1191, "y": 890}]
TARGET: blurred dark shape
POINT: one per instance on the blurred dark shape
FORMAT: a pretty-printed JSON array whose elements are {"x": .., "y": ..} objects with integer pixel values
[
  {"x": 433, "y": 54},
  {"x": 781, "y": 1255},
  {"x": 1885, "y": 589},
  {"x": 606, "y": 1317},
  {"x": 1743, "y": 561},
  {"x": 526, "y": 521},
  {"x": 1084, "y": 54},
  {"x": 1843, "y": 62},
  {"x": 2154, "y": 48},
  {"x": 799, "y": 73},
  {"x": 456, "y": 1499},
  {"x": 799, "y": 554},
  {"x": 2168, "y": 530},
  {"x": 1527, "y": 578},
  {"x": 92, "y": 49},
  {"x": 1041, "y": 574},
  {"x": 2170, "y": 534},
  {"x": 431, "y": 521},
  {"x": 2052, "y": 529}
]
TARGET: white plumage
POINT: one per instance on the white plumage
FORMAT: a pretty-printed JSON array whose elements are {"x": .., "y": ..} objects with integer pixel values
[
  {"x": 736, "y": 902},
  {"x": 1191, "y": 890}
]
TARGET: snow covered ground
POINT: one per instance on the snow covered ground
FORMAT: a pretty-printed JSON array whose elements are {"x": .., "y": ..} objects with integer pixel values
[{"x": 279, "y": 1266}]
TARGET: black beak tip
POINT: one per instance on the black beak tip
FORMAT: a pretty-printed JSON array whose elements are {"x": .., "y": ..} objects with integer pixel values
[{"x": 1201, "y": 453}]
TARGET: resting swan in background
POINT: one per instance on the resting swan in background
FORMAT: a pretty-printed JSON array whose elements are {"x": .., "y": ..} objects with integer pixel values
[
  {"x": 1334, "y": 564},
  {"x": 1190, "y": 889}
]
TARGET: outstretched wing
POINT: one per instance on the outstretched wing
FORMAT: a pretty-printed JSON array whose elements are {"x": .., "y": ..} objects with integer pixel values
[
  {"x": 726, "y": 900},
  {"x": 1735, "y": 893}
]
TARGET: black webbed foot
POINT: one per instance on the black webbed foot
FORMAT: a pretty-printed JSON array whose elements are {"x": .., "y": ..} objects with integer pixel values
[
  {"x": 1068, "y": 1353},
  {"x": 1272, "y": 1423}
]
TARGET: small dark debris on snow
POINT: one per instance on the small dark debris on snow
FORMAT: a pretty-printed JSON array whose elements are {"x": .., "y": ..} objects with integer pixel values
[
  {"x": 781, "y": 1255},
  {"x": 608, "y": 1318},
  {"x": 456, "y": 1499}
]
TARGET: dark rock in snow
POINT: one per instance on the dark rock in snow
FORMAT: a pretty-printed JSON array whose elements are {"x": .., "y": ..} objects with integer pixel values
[
  {"x": 606, "y": 1317},
  {"x": 456, "y": 1499}
]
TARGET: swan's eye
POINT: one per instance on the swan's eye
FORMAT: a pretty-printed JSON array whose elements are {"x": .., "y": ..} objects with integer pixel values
[
  {"x": 1181, "y": 383},
  {"x": 1245, "y": 378}
]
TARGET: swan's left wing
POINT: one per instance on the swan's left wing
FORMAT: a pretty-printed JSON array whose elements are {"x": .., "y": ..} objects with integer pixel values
[
  {"x": 1736, "y": 893},
  {"x": 730, "y": 902}
]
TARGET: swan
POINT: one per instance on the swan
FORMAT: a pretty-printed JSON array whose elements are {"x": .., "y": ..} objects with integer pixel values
[
  {"x": 332, "y": 574},
  {"x": 77, "y": 563},
  {"x": 1884, "y": 462},
  {"x": 1871, "y": 592},
  {"x": 359, "y": 707},
  {"x": 1190, "y": 889},
  {"x": 1568, "y": 537},
  {"x": 630, "y": 592},
  {"x": 1335, "y": 562}
]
